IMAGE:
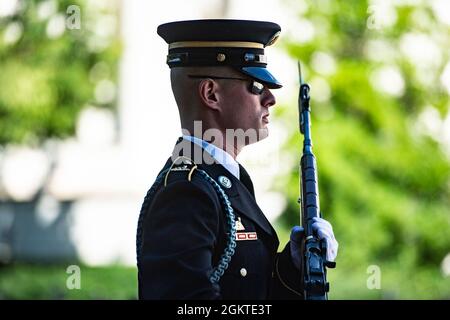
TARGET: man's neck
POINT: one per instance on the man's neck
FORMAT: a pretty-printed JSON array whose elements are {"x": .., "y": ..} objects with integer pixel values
[{"x": 230, "y": 147}]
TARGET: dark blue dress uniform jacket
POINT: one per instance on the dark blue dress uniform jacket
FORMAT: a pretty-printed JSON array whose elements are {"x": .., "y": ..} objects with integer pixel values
[{"x": 184, "y": 235}]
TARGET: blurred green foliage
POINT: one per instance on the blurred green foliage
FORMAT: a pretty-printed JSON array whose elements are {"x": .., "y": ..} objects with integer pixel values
[
  {"x": 49, "y": 72},
  {"x": 383, "y": 174},
  {"x": 384, "y": 178},
  {"x": 50, "y": 282}
]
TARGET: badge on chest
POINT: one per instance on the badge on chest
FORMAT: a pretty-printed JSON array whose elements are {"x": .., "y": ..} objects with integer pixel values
[{"x": 241, "y": 235}]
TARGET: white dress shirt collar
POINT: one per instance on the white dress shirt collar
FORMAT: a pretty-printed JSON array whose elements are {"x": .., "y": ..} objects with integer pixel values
[{"x": 221, "y": 156}]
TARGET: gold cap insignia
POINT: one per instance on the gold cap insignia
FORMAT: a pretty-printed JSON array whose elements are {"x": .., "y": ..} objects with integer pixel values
[{"x": 221, "y": 57}]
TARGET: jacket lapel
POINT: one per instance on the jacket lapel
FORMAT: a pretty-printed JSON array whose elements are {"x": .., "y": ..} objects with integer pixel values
[
  {"x": 246, "y": 180},
  {"x": 240, "y": 197}
]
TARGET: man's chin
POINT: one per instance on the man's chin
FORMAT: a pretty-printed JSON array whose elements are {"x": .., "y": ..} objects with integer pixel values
[
  {"x": 243, "y": 137},
  {"x": 263, "y": 133}
]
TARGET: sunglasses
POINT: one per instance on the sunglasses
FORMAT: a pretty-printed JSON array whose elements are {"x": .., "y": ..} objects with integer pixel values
[{"x": 255, "y": 86}]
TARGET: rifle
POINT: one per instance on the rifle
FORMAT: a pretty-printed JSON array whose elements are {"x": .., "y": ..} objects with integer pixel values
[{"x": 315, "y": 263}]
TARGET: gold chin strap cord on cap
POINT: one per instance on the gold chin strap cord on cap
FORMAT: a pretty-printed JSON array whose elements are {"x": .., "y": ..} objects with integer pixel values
[{"x": 191, "y": 171}]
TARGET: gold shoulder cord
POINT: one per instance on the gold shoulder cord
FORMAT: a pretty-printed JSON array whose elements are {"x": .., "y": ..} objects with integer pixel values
[
  {"x": 283, "y": 283},
  {"x": 191, "y": 171}
]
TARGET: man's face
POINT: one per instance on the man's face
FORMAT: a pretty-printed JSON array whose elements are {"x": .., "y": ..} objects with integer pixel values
[{"x": 245, "y": 110}]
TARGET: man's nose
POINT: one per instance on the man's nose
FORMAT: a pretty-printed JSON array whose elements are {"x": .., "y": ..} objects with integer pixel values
[{"x": 268, "y": 99}]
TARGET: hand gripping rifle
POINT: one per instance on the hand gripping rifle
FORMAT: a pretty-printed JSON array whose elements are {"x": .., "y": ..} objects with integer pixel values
[{"x": 314, "y": 250}]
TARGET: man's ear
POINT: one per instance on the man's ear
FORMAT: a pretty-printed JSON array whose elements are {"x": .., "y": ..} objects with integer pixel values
[{"x": 209, "y": 92}]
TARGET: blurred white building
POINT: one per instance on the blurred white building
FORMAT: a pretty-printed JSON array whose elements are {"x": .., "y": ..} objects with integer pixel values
[{"x": 81, "y": 197}]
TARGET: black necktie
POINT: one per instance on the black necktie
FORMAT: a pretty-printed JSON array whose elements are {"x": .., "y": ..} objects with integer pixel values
[{"x": 246, "y": 180}]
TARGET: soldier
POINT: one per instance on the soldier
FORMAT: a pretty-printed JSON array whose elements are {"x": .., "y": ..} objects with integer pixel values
[{"x": 201, "y": 234}]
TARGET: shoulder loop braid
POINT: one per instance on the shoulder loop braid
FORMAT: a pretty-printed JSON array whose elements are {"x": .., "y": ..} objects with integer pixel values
[{"x": 228, "y": 253}]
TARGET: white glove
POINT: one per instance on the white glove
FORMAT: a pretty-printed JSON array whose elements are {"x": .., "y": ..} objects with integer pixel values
[{"x": 325, "y": 231}]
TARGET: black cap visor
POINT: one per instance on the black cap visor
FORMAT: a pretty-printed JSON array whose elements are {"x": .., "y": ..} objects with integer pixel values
[{"x": 263, "y": 75}]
